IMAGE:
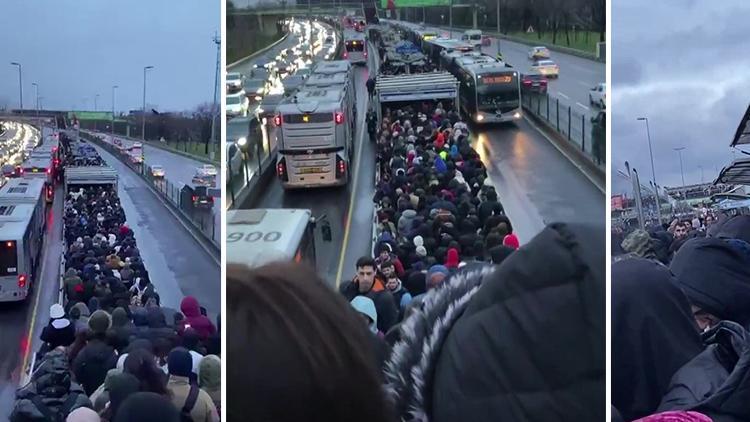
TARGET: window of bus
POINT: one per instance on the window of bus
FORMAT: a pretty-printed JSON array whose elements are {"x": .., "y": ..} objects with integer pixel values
[
  {"x": 8, "y": 258},
  {"x": 355, "y": 46},
  {"x": 499, "y": 90}
]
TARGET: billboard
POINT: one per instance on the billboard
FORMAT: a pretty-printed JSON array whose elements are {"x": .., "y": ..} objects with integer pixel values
[
  {"x": 90, "y": 115},
  {"x": 414, "y": 3}
]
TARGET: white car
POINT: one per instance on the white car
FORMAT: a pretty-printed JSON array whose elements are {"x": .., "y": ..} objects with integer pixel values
[
  {"x": 157, "y": 171},
  {"x": 547, "y": 68},
  {"x": 207, "y": 169},
  {"x": 234, "y": 81},
  {"x": 237, "y": 104},
  {"x": 537, "y": 53},
  {"x": 598, "y": 95},
  {"x": 234, "y": 160}
]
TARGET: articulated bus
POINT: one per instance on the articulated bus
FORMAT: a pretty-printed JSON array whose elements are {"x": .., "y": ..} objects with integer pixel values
[
  {"x": 260, "y": 236},
  {"x": 336, "y": 80},
  {"x": 21, "y": 238},
  {"x": 316, "y": 138},
  {"x": 439, "y": 47},
  {"x": 24, "y": 191},
  {"x": 490, "y": 92},
  {"x": 355, "y": 47}
]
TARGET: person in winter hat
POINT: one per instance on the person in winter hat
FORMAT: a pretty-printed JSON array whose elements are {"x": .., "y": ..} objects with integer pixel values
[
  {"x": 83, "y": 414},
  {"x": 194, "y": 319},
  {"x": 368, "y": 282},
  {"x": 121, "y": 386},
  {"x": 511, "y": 240},
  {"x": 147, "y": 407},
  {"x": 59, "y": 331},
  {"x": 97, "y": 356},
  {"x": 209, "y": 378},
  {"x": 180, "y": 365}
]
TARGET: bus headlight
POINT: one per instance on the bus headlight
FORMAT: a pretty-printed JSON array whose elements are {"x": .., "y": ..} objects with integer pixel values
[
  {"x": 480, "y": 117},
  {"x": 517, "y": 115},
  {"x": 242, "y": 141}
]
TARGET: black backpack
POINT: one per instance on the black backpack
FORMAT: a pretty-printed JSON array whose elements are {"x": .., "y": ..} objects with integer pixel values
[
  {"x": 61, "y": 412},
  {"x": 192, "y": 398}
]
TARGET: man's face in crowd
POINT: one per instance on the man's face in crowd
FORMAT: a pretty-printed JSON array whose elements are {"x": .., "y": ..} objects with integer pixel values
[
  {"x": 387, "y": 271},
  {"x": 709, "y": 220},
  {"x": 384, "y": 255},
  {"x": 680, "y": 231},
  {"x": 392, "y": 282},
  {"x": 435, "y": 280},
  {"x": 365, "y": 277}
]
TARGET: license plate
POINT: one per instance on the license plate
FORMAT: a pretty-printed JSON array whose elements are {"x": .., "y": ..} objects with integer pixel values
[
  {"x": 535, "y": 84},
  {"x": 309, "y": 170}
]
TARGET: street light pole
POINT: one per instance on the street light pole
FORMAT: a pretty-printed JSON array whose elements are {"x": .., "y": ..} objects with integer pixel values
[
  {"x": 36, "y": 97},
  {"x": 20, "y": 84},
  {"x": 653, "y": 171},
  {"x": 96, "y": 108},
  {"x": 143, "y": 111},
  {"x": 113, "y": 108},
  {"x": 214, "y": 108},
  {"x": 682, "y": 172}
]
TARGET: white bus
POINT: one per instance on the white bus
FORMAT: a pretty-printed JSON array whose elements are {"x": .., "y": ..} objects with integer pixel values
[
  {"x": 259, "y": 236},
  {"x": 473, "y": 36},
  {"x": 355, "y": 47},
  {"x": 39, "y": 168},
  {"x": 315, "y": 140},
  {"x": 21, "y": 239},
  {"x": 23, "y": 191},
  {"x": 490, "y": 92}
]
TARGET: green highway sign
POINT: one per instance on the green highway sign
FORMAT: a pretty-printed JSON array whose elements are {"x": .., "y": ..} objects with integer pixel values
[
  {"x": 415, "y": 3},
  {"x": 91, "y": 115}
]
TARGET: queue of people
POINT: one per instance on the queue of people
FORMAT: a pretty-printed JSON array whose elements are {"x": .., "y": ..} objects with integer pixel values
[
  {"x": 110, "y": 351},
  {"x": 685, "y": 349}
]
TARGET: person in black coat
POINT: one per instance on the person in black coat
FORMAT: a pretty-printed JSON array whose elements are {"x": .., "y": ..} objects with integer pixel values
[
  {"x": 448, "y": 366},
  {"x": 97, "y": 357},
  {"x": 59, "y": 331},
  {"x": 368, "y": 283}
]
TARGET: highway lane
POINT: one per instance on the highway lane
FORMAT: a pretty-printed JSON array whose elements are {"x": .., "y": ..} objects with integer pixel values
[
  {"x": 335, "y": 202},
  {"x": 177, "y": 264},
  {"x": 244, "y": 67},
  {"x": 577, "y": 74},
  {"x": 178, "y": 169}
]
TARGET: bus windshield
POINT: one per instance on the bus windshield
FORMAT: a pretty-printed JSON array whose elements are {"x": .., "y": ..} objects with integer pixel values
[
  {"x": 355, "y": 46},
  {"x": 495, "y": 90}
]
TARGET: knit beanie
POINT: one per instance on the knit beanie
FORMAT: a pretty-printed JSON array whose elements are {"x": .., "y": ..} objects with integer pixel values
[
  {"x": 99, "y": 322},
  {"x": 180, "y": 362}
]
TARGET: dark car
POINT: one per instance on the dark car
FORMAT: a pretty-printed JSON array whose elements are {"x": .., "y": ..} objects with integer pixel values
[
  {"x": 534, "y": 82},
  {"x": 255, "y": 89},
  {"x": 201, "y": 198}
]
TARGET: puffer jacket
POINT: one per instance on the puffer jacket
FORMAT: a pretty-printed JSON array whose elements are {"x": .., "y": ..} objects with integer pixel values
[
  {"x": 50, "y": 386},
  {"x": 405, "y": 222},
  {"x": 488, "y": 341},
  {"x": 716, "y": 381}
]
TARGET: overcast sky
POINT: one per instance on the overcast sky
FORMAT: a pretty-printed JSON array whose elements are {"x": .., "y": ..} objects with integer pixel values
[
  {"x": 75, "y": 49},
  {"x": 683, "y": 64}
]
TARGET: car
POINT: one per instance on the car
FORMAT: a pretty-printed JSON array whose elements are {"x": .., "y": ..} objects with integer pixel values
[
  {"x": 261, "y": 73},
  {"x": 201, "y": 198},
  {"x": 292, "y": 83},
  {"x": 235, "y": 82},
  {"x": 237, "y": 104},
  {"x": 137, "y": 145},
  {"x": 547, "y": 68},
  {"x": 285, "y": 67},
  {"x": 202, "y": 179},
  {"x": 598, "y": 95},
  {"x": 534, "y": 82},
  {"x": 304, "y": 72},
  {"x": 255, "y": 88},
  {"x": 157, "y": 171},
  {"x": 234, "y": 159},
  {"x": 208, "y": 169},
  {"x": 537, "y": 53}
]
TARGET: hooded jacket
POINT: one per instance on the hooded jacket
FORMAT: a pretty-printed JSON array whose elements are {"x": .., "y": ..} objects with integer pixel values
[
  {"x": 92, "y": 363},
  {"x": 653, "y": 335},
  {"x": 191, "y": 309},
  {"x": 209, "y": 378},
  {"x": 406, "y": 221},
  {"x": 716, "y": 381},
  {"x": 453, "y": 361},
  {"x": 385, "y": 304}
]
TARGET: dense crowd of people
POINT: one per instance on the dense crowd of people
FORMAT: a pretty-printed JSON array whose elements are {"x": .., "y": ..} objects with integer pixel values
[
  {"x": 680, "y": 315},
  {"x": 110, "y": 351}
]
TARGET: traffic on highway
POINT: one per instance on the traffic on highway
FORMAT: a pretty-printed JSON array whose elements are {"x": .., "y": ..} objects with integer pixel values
[{"x": 402, "y": 167}]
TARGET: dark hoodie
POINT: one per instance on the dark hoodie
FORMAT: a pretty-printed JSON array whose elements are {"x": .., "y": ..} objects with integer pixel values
[
  {"x": 200, "y": 323},
  {"x": 653, "y": 335},
  {"x": 454, "y": 362},
  {"x": 158, "y": 329},
  {"x": 715, "y": 277}
]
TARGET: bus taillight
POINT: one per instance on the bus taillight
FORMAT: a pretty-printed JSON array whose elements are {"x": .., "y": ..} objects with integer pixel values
[
  {"x": 281, "y": 170},
  {"x": 277, "y": 120},
  {"x": 22, "y": 281},
  {"x": 49, "y": 170},
  {"x": 346, "y": 54},
  {"x": 340, "y": 167},
  {"x": 339, "y": 116}
]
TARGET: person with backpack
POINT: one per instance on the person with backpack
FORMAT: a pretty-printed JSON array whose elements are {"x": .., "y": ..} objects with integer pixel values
[
  {"x": 97, "y": 356},
  {"x": 195, "y": 404},
  {"x": 51, "y": 395}
]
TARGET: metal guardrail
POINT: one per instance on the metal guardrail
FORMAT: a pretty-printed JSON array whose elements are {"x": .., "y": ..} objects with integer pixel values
[
  {"x": 576, "y": 127},
  {"x": 200, "y": 219}
]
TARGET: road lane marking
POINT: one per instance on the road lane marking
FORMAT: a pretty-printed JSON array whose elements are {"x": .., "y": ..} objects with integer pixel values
[
  {"x": 582, "y": 106},
  {"x": 563, "y": 95},
  {"x": 350, "y": 211}
]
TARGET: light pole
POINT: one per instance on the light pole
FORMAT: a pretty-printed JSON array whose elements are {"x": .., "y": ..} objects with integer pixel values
[
  {"x": 214, "y": 108},
  {"x": 682, "y": 172},
  {"x": 143, "y": 112},
  {"x": 653, "y": 171},
  {"x": 36, "y": 98},
  {"x": 20, "y": 84},
  {"x": 113, "y": 108}
]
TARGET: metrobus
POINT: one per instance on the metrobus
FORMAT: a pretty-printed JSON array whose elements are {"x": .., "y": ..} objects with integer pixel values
[
  {"x": 21, "y": 238},
  {"x": 439, "y": 47},
  {"x": 259, "y": 236},
  {"x": 336, "y": 80},
  {"x": 490, "y": 92},
  {"x": 355, "y": 47},
  {"x": 315, "y": 139},
  {"x": 23, "y": 191}
]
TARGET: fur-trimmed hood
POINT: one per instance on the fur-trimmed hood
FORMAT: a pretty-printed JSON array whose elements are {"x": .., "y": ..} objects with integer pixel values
[{"x": 524, "y": 340}]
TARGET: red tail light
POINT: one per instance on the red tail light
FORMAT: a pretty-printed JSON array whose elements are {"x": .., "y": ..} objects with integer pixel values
[
  {"x": 340, "y": 167},
  {"x": 22, "y": 281},
  {"x": 281, "y": 170},
  {"x": 49, "y": 170},
  {"x": 526, "y": 82},
  {"x": 339, "y": 116},
  {"x": 277, "y": 120},
  {"x": 365, "y": 53},
  {"x": 54, "y": 149},
  {"x": 346, "y": 54},
  {"x": 195, "y": 198}
]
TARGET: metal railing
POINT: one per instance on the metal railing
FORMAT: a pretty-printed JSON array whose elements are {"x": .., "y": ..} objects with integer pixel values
[
  {"x": 576, "y": 127},
  {"x": 201, "y": 219}
]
